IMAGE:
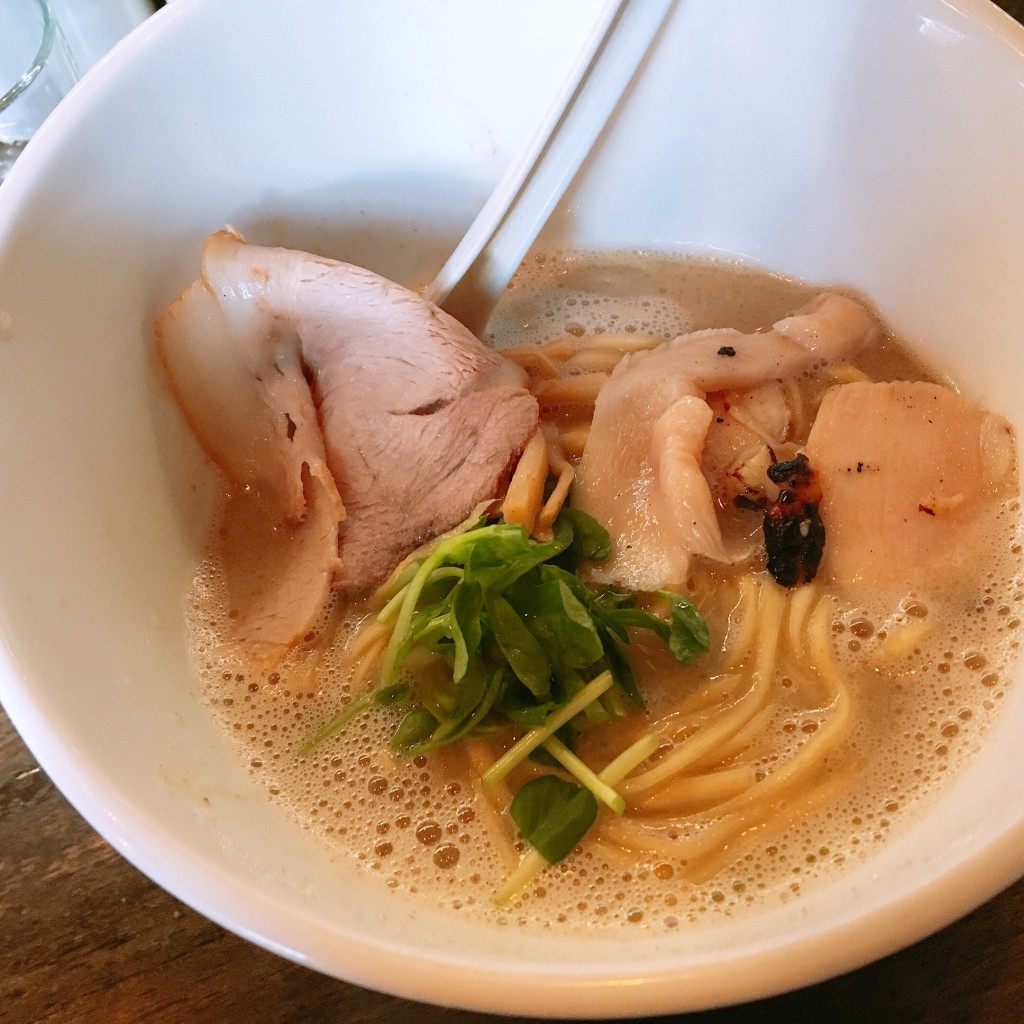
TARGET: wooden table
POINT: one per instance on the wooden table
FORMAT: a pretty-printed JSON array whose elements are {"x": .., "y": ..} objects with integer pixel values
[{"x": 85, "y": 938}]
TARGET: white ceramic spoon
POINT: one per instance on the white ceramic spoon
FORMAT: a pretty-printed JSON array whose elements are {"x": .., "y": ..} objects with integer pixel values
[{"x": 478, "y": 271}]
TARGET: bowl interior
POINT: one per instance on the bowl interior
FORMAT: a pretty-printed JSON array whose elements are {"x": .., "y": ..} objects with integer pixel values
[{"x": 827, "y": 143}]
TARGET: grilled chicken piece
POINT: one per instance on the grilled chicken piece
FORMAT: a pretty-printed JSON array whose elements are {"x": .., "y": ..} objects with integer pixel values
[{"x": 640, "y": 472}]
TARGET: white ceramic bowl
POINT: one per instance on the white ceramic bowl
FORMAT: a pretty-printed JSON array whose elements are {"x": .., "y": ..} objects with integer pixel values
[{"x": 873, "y": 142}]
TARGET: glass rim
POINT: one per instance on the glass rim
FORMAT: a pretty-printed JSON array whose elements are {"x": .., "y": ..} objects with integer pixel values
[{"x": 45, "y": 48}]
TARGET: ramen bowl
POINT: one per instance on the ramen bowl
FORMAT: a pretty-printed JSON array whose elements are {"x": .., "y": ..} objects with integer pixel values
[{"x": 874, "y": 144}]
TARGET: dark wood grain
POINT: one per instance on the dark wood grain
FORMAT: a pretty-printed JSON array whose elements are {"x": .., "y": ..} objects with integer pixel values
[{"x": 86, "y": 938}]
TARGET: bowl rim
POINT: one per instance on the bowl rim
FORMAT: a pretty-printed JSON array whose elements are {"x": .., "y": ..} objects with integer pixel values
[{"x": 406, "y": 971}]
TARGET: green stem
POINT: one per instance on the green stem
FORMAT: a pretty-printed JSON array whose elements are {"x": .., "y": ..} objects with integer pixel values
[
  {"x": 390, "y": 610},
  {"x": 632, "y": 757},
  {"x": 534, "y": 862},
  {"x": 529, "y": 868},
  {"x": 585, "y": 775},
  {"x": 394, "y": 650},
  {"x": 529, "y": 742},
  {"x": 334, "y": 725}
]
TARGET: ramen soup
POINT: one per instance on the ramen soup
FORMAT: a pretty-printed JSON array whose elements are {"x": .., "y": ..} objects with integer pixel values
[{"x": 784, "y": 473}]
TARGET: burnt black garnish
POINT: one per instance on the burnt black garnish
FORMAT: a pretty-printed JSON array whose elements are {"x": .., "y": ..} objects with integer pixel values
[
  {"x": 794, "y": 536},
  {"x": 727, "y": 350}
]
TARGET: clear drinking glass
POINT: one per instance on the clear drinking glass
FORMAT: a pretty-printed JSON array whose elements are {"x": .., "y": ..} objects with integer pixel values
[{"x": 36, "y": 70}]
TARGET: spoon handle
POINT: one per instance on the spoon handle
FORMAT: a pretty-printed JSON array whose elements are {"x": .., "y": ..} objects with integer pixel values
[{"x": 479, "y": 269}]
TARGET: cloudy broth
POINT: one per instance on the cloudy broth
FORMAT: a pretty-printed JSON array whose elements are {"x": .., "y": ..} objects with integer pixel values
[{"x": 422, "y": 827}]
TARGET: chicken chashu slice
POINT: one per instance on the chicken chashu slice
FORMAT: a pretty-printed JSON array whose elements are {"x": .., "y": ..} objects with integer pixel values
[
  {"x": 640, "y": 474},
  {"x": 912, "y": 478},
  {"x": 353, "y": 419}
]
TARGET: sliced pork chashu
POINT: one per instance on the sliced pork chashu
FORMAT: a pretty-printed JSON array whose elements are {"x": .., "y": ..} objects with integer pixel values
[
  {"x": 912, "y": 475},
  {"x": 353, "y": 419}
]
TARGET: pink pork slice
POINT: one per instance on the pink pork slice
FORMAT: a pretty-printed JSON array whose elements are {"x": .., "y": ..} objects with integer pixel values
[
  {"x": 360, "y": 419},
  {"x": 912, "y": 476}
]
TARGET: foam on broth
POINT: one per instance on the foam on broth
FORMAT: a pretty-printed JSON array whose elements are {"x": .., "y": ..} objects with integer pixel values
[{"x": 420, "y": 826}]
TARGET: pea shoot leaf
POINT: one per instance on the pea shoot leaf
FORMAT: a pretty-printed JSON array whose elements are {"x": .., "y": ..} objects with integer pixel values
[
  {"x": 688, "y": 634},
  {"x": 415, "y": 728},
  {"x": 505, "y": 633},
  {"x": 553, "y": 814},
  {"x": 590, "y": 540},
  {"x": 560, "y": 621},
  {"x": 521, "y": 648},
  {"x": 513, "y": 633}
]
